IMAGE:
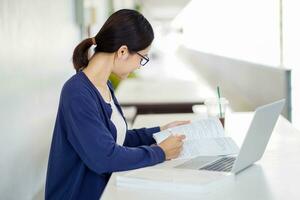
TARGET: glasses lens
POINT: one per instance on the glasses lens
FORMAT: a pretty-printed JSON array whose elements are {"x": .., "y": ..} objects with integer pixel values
[{"x": 143, "y": 61}]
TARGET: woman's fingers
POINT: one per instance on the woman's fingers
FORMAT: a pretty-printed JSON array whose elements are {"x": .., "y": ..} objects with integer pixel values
[
  {"x": 178, "y": 123},
  {"x": 184, "y": 122},
  {"x": 172, "y": 146},
  {"x": 180, "y": 137}
]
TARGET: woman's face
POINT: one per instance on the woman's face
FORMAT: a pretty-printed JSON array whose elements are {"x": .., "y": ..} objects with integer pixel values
[{"x": 126, "y": 62}]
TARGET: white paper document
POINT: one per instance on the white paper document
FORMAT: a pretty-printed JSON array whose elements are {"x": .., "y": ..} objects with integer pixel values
[
  {"x": 175, "y": 180},
  {"x": 204, "y": 137}
]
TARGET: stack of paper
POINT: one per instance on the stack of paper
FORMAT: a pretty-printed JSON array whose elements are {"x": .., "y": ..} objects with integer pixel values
[
  {"x": 204, "y": 137},
  {"x": 179, "y": 180}
]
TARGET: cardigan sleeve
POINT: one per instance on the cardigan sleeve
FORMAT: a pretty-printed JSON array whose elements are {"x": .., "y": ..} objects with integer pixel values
[
  {"x": 142, "y": 136},
  {"x": 96, "y": 146}
]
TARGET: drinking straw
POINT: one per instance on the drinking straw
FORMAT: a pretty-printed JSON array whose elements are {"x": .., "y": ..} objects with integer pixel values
[{"x": 219, "y": 99}]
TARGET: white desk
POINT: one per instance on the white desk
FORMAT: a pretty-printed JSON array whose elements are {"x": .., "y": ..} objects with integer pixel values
[
  {"x": 275, "y": 176},
  {"x": 162, "y": 95}
]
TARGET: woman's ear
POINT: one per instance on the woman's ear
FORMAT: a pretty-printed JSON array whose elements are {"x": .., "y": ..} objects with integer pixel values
[{"x": 123, "y": 52}]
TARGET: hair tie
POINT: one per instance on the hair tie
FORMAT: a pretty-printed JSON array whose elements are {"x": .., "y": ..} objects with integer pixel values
[{"x": 94, "y": 41}]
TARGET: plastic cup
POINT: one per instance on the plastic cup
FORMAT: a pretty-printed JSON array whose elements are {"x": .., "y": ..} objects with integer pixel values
[{"x": 216, "y": 108}]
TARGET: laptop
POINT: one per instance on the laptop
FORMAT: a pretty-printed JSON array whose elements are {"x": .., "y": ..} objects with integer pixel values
[{"x": 253, "y": 146}]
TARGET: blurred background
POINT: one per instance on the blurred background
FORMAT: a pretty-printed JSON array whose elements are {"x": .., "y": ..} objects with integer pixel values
[{"x": 247, "y": 47}]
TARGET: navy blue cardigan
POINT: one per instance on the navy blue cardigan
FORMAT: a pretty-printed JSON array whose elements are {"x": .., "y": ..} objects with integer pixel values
[{"x": 84, "y": 151}]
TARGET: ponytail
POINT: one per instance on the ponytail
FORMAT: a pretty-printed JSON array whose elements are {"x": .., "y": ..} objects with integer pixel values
[{"x": 81, "y": 53}]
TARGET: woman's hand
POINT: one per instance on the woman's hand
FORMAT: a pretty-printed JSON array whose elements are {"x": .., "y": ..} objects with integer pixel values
[
  {"x": 173, "y": 124},
  {"x": 172, "y": 146}
]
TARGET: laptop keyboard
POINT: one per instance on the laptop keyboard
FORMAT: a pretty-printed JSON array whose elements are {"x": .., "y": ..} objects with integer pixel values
[{"x": 224, "y": 164}]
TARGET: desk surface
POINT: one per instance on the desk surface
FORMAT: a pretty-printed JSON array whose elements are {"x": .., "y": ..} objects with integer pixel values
[{"x": 275, "y": 176}]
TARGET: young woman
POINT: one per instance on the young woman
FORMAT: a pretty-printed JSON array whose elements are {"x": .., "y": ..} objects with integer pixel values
[{"x": 91, "y": 139}]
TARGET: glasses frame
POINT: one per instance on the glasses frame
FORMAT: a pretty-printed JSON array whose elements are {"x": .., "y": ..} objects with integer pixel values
[{"x": 143, "y": 57}]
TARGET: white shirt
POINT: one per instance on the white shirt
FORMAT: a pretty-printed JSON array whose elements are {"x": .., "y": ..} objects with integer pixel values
[{"x": 118, "y": 121}]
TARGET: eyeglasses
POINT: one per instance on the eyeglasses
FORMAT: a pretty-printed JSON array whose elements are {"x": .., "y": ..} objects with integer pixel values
[{"x": 144, "y": 59}]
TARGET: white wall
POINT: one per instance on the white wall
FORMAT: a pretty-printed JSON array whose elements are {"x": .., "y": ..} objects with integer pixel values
[
  {"x": 240, "y": 29},
  {"x": 37, "y": 38},
  {"x": 291, "y": 49}
]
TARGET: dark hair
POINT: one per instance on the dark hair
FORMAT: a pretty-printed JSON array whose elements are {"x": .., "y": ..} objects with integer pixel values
[{"x": 124, "y": 27}]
